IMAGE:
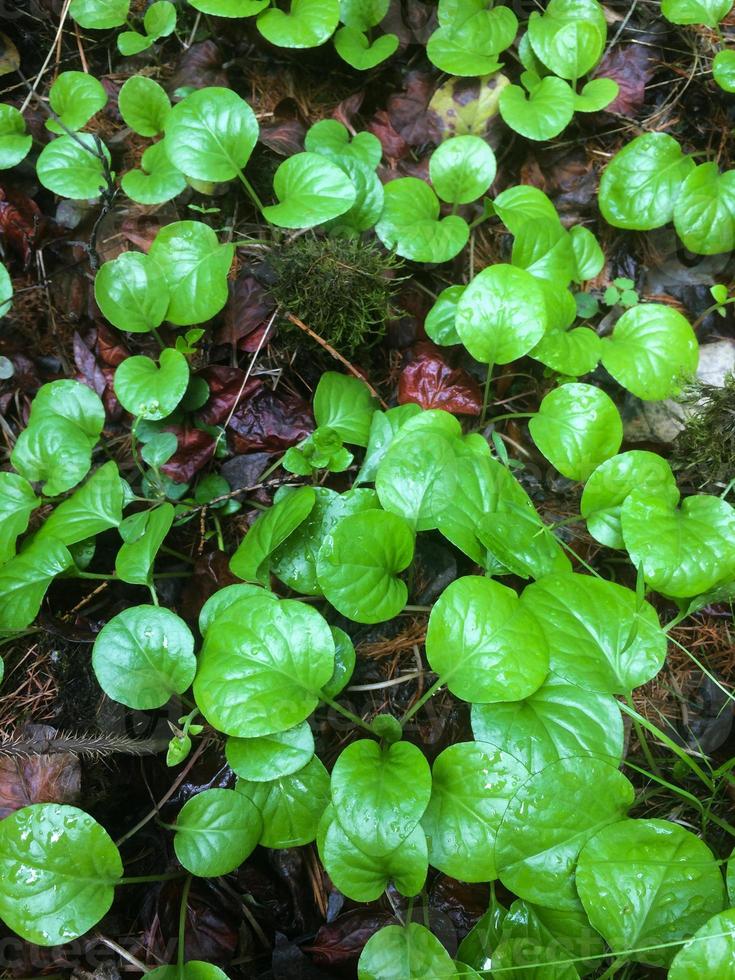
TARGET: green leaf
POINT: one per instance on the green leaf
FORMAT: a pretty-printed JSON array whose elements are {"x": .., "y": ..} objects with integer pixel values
[
  {"x": 230, "y": 8},
  {"x": 416, "y": 479},
  {"x": 362, "y": 14},
  {"x": 545, "y": 249},
  {"x": 17, "y": 503},
  {"x": 130, "y": 43},
  {"x": 652, "y": 351},
  {"x": 59, "y": 869},
  {"x": 55, "y": 451},
  {"x": 577, "y": 427},
  {"x": 24, "y": 580},
  {"x": 358, "y": 564},
  {"x": 271, "y": 756},
  {"x": 264, "y": 673},
  {"x": 543, "y": 113},
  {"x": 99, "y": 14},
  {"x": 588, "y": 255},
  {"x": 210, "y": 134},
  {"x": 709, "y": 953},
  {"x": 159, "y": 19},
  {"x": 219, "y": 605},
  {"x": 195, "y": 268},
  {"x": 569, "y": 352},
  {"x": 345, "y": 404},
  {"x": 148, "y": 391},
  {"x": 291, "y": 806},
  {"x": 143, "y": 535},
  {"x": 380, "y": 794},
  {"x": 72, "y": 401},
  {"x": 612, "y": 483},
  {"x": 471, "y": 37},
  {"x": 723, "y": 70},
  {"x": 307, "y": 25},
  {"x": 707, "y": 12},
  {"x": 462, "y": 169},
  {"x": 193, "y": 969},
  {"x": 405, "y": 953},
  {"x": 440, "y": 320},
  {"x": 601, "y": 635},
  {"x": 369, "y": 197},
  {"x": 704, "y": 215},
  {"x": 521, "y": 542},
  {"x": 471, "y": 786},
  {"x": 92, "y": 509},
  {"x": 520, "y": 205},
  {"x": 15, "y": 143},
  {"x": 683, "y": 551},
  {"x": 384, "y": 426},
  {"x": 363, "y": 877},
  {"x": 295, "y": 561},
  {"x": 330, "y": 138},
  {"x": 484, "y": 644},
  {"x": 477, "y": 946},
  {"x": 157, "y": 182},
  {"x": 648, "y": 883},
  {"x": 501, "y": 315},
  {"x": 71, "y": 166},
  {"x": 344, "y": 663},
  {"x": 596, "y": 95},
  {"x": 539, "y": 866},
  {"x": 642, "y": 182},
  {"x": 144, "y": 655},
  {"x": 310, "y": 190},
  {"x": 6, "y": 292},
  {"x": 558, "y": 721},
  {"x": 357, "y": 50},
  {"x": 75, "y": 97},
  {"x": 569, "y": 37},
  {"x": 131, "y": 293},
  {"x": 252, "y": 559},
  {"x": 144, "y": 105},
  {"x": 410, "y": 223},
  {"x": 216, "y": 830}
]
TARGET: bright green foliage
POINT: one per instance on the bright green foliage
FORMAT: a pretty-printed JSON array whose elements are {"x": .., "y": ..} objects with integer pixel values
[
  {"x": 93, "y": 508},
  {"x": 216, "y": 607},
  {"x": 411, "y": 225},
  {"x": 216, "y": 830},
  {"x": 569, "y": 352},
  {"x": 143, "y": 534},
  {"x": 24, "y": 580},
  {"x": 99, "y": 14},
  {"x": 346, "y": 405},
  {"x": 58, "y": 870},
  {"x": 269, "y": 757},
  {"x": 144, "y": 105},
  {"x": 17, "y": 503},
  {"x": 440, "y": 320},
  {"x": 6, "y": 291},
  {"x": 148, "y": 391},
  {"x": 470, "y": 37},
  {"x": 251, "y": 561},
  {"x": 330, "y": 138},
  {"x": 723, "y": 70},
  {"x": 308, "y": 23},
  {"x": 310, "y": 190},
  {"x": 210, "y": 134},
  {"x": 291, "y": 806},
  {"x": 704, "y": 215},
  {"x": 462, "y": 169},
  {"x": 384, "y": 426},
  {"x": 74, "y": 166},
  {"x": 543, "y": 113},
  {"x": 710, "y": 952},
  {"x": 192, "y": 970},
  {"x": 356, "y": 49},
  {"x": 159, "y": 21},
  {"x": 131, "y": 292},
  {"x": 596, "y": 95},
  {"x": 157, "y": 181},
  {"x": 14, "y": 142},
  {"x": 522, "y": 543},
  {"x": 230, "y": 8},
  {"x": 322, "y": 450},
  {"x": 707, "y": 12},
  {"x": 75, "y": 97},
  {"x": 569, "y": 37}
]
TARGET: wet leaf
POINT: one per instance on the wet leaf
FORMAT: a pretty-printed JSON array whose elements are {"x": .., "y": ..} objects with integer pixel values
[{"x": 432, "y": 383}]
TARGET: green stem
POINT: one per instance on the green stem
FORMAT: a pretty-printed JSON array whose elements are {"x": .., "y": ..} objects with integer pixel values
[
  {"x": 613, "y": 968},
  {"x": 95, "y": 575},
  {"x": 641, "y": 736},
  {"x": 355, "y": 719},
  {"x": 430, "y": 692},
  {"x": 177, "y": 554},
  {"x": 669, "y": 743},
  {"x": 154, "y": 594},
  {"x": 158, "y": 337},
  {"x": 486, "y": 394},
  {"x": 512, "y": 415},
  {"x": 182, "y": 927},
  {"x": 251, "y": 191},
  {"x": 148, "y": 879}
]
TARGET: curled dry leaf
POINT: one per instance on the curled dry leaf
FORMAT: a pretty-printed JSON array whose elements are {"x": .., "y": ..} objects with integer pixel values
[{"x": 431, "y": 382}]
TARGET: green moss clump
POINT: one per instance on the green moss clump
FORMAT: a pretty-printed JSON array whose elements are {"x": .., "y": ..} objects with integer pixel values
[
  {"x": 707, "y": 442},
  {"x": 339, "y": 287}
]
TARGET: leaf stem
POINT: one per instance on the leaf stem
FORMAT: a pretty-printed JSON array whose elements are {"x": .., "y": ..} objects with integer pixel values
[
  {"x": 486, "y": 394},
  {"x": 512, "y": 415},
  {"x": 669, "y": 743},
  {"x": 251, "y": 191},
  {"x": 641, "y": 736},
  {"x": 430, "y": 692},
  {"x": 182, "y": 927},
  {"x": 148, "y": 879},
  {"x": 355, "y": 719}
]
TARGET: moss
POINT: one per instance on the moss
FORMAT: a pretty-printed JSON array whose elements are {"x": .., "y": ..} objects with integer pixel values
[
  {"x": 707, "y": 443},
  {"x": 340, "y": 287}
]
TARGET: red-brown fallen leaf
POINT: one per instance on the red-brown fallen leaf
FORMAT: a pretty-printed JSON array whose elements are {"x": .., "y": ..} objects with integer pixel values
[
  {"x": 225, "y": 385},
  {"x": 270, "y": 420},
  {"x": 284, "y": 132},
  {"x": 89, "y": 370},
  {"x": 200, "y": 66},
  {"x": 110, "y": 347},
  {"x": 348, "y": 109},
  {"x": 248, "y": 307},
  {"x": 21, "y": 223},
  {"x": 631, "y": 66},
  {"x": 341, "y": 941},
  {"x": 394, "y": 145},
  {"x": 196, "y": 448},
  {"x": 432, "y": 383},
  {"x": 407, "y": 110},
  {"x": 44, "y": 778}
]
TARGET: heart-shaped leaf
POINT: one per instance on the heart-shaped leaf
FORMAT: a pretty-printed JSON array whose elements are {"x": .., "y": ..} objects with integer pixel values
[
  {"x": 144, "y": 655},
  {"x": 357, "y": 50},
  {"x": 398, "y": 952},
  {"x": 519, "y": 205},
  {"x": 291, "y": 806},
  {"x": 269, "y": 757},
  {"x": 470, "y": 38},
  {"x": 484, "y": 644},
  {"x": 158, "y": 180},
  {"x": 410, "y": 223},
  {"x": 73, "y": 166},
  {"x": 707, "y": 12},
  {"x": 149, "y": 391},
  {"x": 55, "y": 451},
  {"x": 72, "y": 401},
  {"x": 17, "y": 503},
  {"x": 596, "y": 95},
  {"x": 308, "y": 24},
  {"x": 131, "y": 293},
  {"x": 144, "y": 105},
  {"x": 330, "y": 138},
  {"x": 462, "y": 169},
  {"x": 24, "y": 580},
  {"x": 251, "y": 560},
  {"x": 14, "y": 141},
  {"x": 569, "y": 37},
  {"x": 59, "y": 869},
  {"x": 570, "y": 352},
  {"x": 543, "y": 113},
  {"x": 704, "y": 214},
  {"x": 710, "y": 952},
  {"x": 648, "y": 883},
  {"x": 577, "y": 427},
  {"x": 216, "y": 830},
  {"x": 92, "y": 509},
  {"x": 358, "y": 564},
  {"x": 75, "y": 97},
  {"x": 310, "y": 190},
  {"x": 99, "y": 14},
  {"x": 346, "y": 405}
]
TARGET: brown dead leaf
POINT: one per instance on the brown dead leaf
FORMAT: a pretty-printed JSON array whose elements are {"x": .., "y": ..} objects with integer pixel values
[{"x": 37, "y": 778}]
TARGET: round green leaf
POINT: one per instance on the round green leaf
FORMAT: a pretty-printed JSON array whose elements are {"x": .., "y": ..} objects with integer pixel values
[
  {"x": 53, "y": 450},
  {"x": 596, "y": 95},
  {"x": 357, "y": 50},
  {"x": 264, "y": 673},
  {"x": 271, "y": 756},
  {"x": 330, "y": 138},
  {"x": 73, "y": 401},
  {"x": 519, "y": 540},
  {"x": 6, "y": 291},
  {"x": 470, "y": 38},
  {"x": 543, "y": 113},
  {"x": 641, "y": 183},
  {"x": 158, "y": 181},
  {"x": 308, "y": 23},
  {"x": 416, "y": 479},
  {"x": 230, "y": 8},
  {"x": 570, "y": 352},
  {"x": 219, "y": 605},
  {"x": 71, "y": 166},
  {"x": 440, "y": 320},
  {"x": 471, "y": 786},
  {"x": 646, "y": 882},
  {"x": 144, "y": 655},
  {"x": 519, "y": 205},
  {"x": 577, "y": 427},
  {"x": 613, "y": 481},
  {"x": 358, "y": 564},
  {"x": 24, "y": 580},
  {"x": 193, "y": 969},
  {"x": 539, "y": 866},
  {"x": 17, "y": 503},
  {"x": 14, "y": 141},
  {"x": 544, "y": 249},
  {"x": 75, "y": 97},
  {"x": 684, "y": 551},
  {"x": 99, "y": 14},
  {"x": 569, "y": 37},
  {"x": 130, "y": 293},
  {"x": 410, "y": 223},
  {"x": 252, "y": 559},
  {"x": 195, "y": 268},
  {"x": 600, "y": 634},
  {"x": 380, "y": 794},
  {"x": 310, "y": 190},
  {"x": 652, "y": 351},
  {"x": 159, "y": 19},
  {"x": 558, "y": 721},
  {"x": 144, "y": 105},
  {"x": 707, "y": 12},
  {"x": 345, "y": 404},
  {"x": 148, "y": 391},
  {"x": 704, "y": 214},
  {"x": 501, "y": 315},
  {"x": 58, "y": 870},
  {"x": 710, "y": 953},
  {"x": 210, "y": 134},
  {"x": 484, "y": 644},
  {"x": 398, "y": 953},
  {"x": 723, "y": 70},
  {"x": 216, "y": 830},
  {"x": 291, "y": 806},
  {"x": 462, "y": 169}
]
